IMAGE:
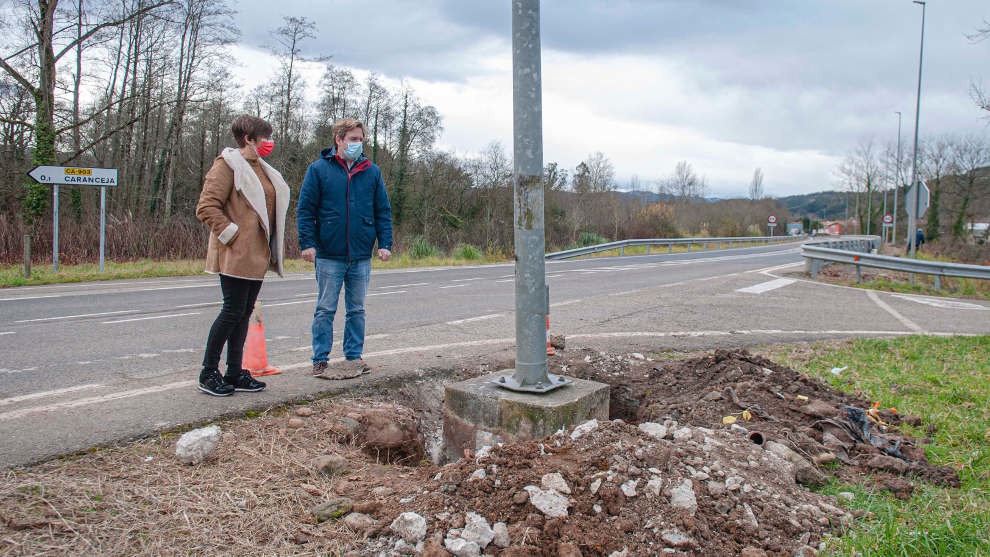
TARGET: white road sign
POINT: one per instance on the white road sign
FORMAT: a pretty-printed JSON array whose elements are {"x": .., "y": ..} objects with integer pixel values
[
  {"x": 772, "y": 219},
  {"x": 74, "y": 176},
  {"x": 888, "y": 218},
  {"x": 920, "y": 190}
]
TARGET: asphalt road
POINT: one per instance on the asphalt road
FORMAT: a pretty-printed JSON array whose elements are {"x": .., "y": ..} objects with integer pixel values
[{"x": 93, "y": 363}]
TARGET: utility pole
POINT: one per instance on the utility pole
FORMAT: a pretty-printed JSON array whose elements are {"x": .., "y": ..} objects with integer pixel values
[
  {"x": 897, "y": 171},
  {"x": 912, "y": 235}
]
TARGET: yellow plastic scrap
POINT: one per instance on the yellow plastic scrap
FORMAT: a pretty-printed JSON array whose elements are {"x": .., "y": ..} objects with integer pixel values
[
  {"x": 728, "y": 420},
  {"x": 747, "y": 415},
  {"x": 802, "y": 398}
]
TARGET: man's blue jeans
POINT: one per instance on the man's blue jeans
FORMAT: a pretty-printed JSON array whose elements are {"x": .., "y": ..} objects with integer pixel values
[{"x": 331, "y": 274}]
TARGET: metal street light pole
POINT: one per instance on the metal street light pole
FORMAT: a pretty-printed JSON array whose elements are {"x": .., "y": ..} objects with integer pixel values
[
  {"x": 532, "y": 298},
  {"x": 897, "y": 177},
  {"x": 912, "y": 235}
]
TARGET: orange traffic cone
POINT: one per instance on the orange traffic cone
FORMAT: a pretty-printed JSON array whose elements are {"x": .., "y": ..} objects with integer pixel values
[
  {"x": 550, "y": 350},
  {"x": 255, "y": 356}
]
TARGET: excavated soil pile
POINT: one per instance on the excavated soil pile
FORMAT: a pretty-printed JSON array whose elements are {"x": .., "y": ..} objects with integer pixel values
[{"x": 784, "y": 406}]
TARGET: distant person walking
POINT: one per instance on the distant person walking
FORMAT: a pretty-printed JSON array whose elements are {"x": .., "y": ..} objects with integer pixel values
[
  {"x": 919, "y": 238},
  {"x": 244, "y": 201},
  {"x": 343, "y": 210}
]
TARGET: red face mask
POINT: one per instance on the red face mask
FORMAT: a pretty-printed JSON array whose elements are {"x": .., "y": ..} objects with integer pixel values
[{"x": 266, "y": 148}]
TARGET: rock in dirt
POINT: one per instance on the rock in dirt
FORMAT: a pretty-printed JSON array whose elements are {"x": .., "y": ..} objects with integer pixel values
[
  {"x": 461, "y": 547},
  {"x": 682, "y": 497},
  {"x": 752, "y": 552},
  {"x": 888, "y": 463},
  {"x": 304, "y": 411},
  {"x": 678, "y": 539},
  {"x": 294, "y": 423},
  {"x": 818, "y": 409},
  {"x": 584, "y": 429},
  {"x": 655, "y": 430},
  {"x": 558, "y": 341},
  {"x": 194, "y": 446},
  {"x": 476, "y": 529},
  {"x": 410, "y": 527},
  {"x": 804, "y": 472},
  {"x": 501, "y": 537},
  {"x": 391, "y": 432},
  {"x": 330, "y": 464},
  {"x": 568, "y": 550},
  {"x": 548, "y": 502},
  {"x": 343, "y": 428},
  {"x": 360, "y": 522},
  {"x": 520, "y": 497},
  {"x": 555, "y": 482},
  {"x": 806, "y": 551},
  {"x": 847, "y": 496},
  {"x": 433, "y": 548},
  {"x": 332, "y": 509},
  {"x": 629, "y": 488}
]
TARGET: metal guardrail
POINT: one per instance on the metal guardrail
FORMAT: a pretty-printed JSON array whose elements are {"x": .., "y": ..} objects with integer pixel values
[
  {"x": 857, "y": 250},
  {"x": 621, "y": 245}
]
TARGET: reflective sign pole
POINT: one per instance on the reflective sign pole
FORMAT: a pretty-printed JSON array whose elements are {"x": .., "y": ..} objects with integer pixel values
[
  {"x": 103, "y": 222},
  {"x": 55, "y": 228}
]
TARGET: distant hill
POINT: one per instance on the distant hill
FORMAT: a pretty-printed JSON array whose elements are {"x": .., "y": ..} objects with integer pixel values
[{"x": 822, "y": 205}]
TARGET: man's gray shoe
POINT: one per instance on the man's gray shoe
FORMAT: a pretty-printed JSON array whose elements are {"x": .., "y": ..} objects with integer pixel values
[
  {"x": 319, "y": 367},
  {"x": 348, "y": 369}
]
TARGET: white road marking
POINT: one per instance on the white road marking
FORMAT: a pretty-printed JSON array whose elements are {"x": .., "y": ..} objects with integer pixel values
[
  {"x": 486, "y": 342},
  {"x": 404, "y": 285},
  {"x": 658, "y": 334},
  {"x": 453, "y": 286},
  {"x": 945, "y": 303},
  {"x": 470, "y": 319},
  {"x": 566, "y": 303},
  {"x": 7, "y": 333},
  {"x": 286, "y": 303},
  {"x": 199, "y": 305},
  {"x": 22, "y": 398},
  {"x": 95, "y": 400},
  {"x": 74, "y": 316},
  {"x": 768, "y": 270},
  {"x": 767, "y": 286},
  {"x": 8, "y": 371},
  {"x": 907, "y": 322},
  {"x": 386, "y": 293},
  {"x": 179, "y": 350},
  {"x": 152, "y": 317},
  {"x": 506, "y": 280},
  {"x": 467, "y": 279}
]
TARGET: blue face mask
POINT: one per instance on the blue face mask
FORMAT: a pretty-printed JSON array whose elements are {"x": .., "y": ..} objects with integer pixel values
[{"x": 353, "y": 150}]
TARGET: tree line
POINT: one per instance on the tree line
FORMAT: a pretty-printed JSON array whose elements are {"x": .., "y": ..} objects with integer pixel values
[
  {"x": 955, "y": 168},
  {"x": 145, "y": 86}
]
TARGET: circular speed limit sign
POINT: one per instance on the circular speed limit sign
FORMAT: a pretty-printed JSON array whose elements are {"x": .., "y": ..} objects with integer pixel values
[
  {"x": 888, "y": 219},
  {"x": 772, "y": 219}
]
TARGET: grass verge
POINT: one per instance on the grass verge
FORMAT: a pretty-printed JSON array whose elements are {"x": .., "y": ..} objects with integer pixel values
[
  {"x": 13, "y": 275},
  {"x": 946, "y": 382}
]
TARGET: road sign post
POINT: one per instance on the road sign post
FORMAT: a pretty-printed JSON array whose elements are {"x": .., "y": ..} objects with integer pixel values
[
  {"x": 918, "y": 198},
  {"x": 75, "y": 176},
  {"x": 771, "y": 223}
]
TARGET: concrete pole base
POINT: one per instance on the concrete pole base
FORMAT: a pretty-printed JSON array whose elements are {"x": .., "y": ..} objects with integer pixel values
[{"x": 477, "y": 412}]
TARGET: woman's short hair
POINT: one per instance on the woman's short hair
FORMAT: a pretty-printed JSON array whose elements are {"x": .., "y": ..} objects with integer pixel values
[
  {"x": 344, "y": 125},
  {"x": 250, "y": 127}
]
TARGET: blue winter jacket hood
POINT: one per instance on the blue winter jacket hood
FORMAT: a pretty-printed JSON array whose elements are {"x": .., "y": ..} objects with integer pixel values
[{"x": 343, "y": 211}]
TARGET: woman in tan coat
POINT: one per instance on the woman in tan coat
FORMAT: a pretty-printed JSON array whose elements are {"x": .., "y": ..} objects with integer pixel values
[{"x": 244, "y": 201}]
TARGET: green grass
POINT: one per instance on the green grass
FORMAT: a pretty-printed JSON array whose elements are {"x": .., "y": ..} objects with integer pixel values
[
  {"x": 944, "y": 381},
  {"x": 13, "y": 275},
  {"x": 681, "y": 248}
]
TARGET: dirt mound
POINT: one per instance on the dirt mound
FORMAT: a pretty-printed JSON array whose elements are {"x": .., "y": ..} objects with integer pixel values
[
  {"x": 801, "y": 412},
  {"x": 693, "y": 490}
]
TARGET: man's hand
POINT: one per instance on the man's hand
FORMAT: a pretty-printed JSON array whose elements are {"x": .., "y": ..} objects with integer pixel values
[
  {"x": 384, "y": 254},
  {"x": 309, "y": 254}
]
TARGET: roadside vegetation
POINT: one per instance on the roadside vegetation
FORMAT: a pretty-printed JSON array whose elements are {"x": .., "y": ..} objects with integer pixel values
[{"x": 944, "y": 381}]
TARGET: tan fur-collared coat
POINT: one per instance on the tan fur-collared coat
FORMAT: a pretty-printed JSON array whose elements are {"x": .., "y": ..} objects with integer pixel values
[{"x": 242, "y": 243}]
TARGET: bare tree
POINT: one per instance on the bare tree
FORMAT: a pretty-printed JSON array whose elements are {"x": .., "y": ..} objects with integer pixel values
[
  {"x": 980, "y": 96},
  {"x": 970, "y": 156},
  {"x": 756, "y": 185},
  {"x": 684, "y": 183}
]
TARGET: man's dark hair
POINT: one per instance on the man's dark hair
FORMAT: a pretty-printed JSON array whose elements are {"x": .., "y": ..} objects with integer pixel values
[{"x": 250, "y": 127}]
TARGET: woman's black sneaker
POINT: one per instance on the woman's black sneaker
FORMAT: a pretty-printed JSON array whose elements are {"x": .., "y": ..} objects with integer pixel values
[
  {"x": 211, "y": 382},
  {"x": 244, "y": 382}
]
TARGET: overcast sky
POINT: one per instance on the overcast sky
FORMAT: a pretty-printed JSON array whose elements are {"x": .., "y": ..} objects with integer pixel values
[{"x": 788, "y": 86}]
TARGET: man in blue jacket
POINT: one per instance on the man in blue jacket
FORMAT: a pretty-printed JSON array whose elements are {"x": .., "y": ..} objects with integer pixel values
[{"x": 343, "y": 209}]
